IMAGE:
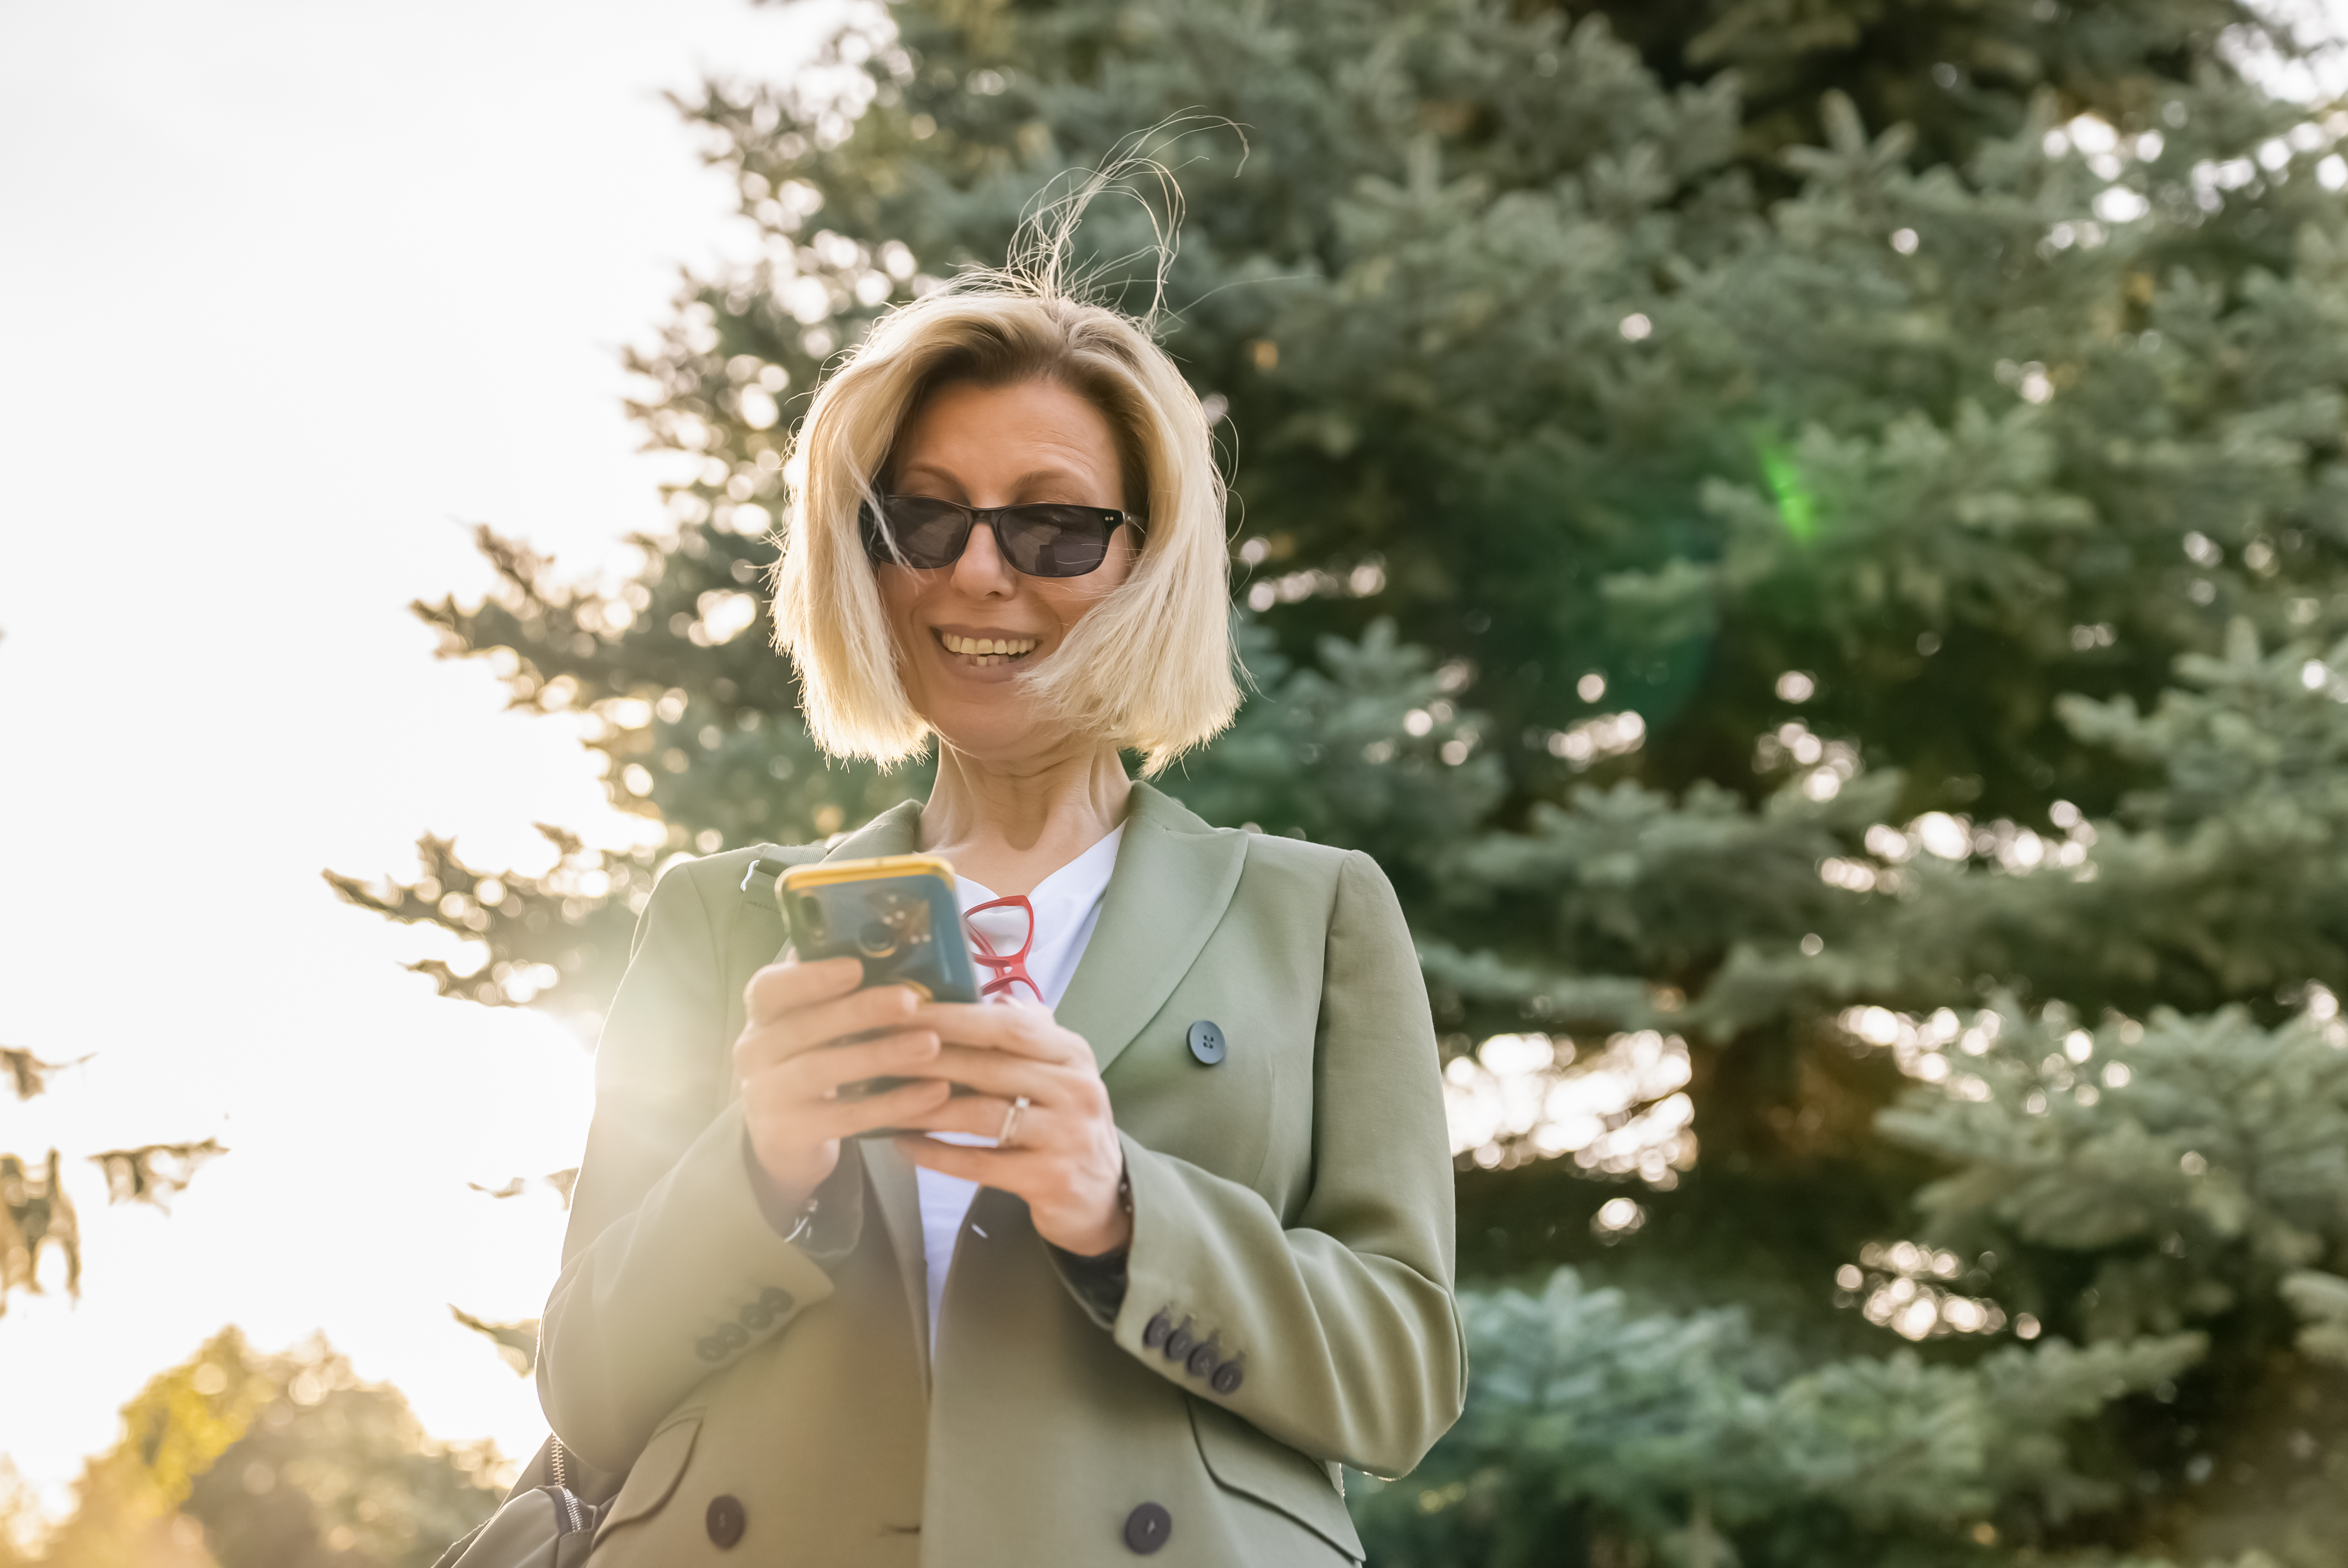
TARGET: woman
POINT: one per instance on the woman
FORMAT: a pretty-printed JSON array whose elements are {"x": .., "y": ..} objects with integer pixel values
[{"x": 1185, "y": 1246}]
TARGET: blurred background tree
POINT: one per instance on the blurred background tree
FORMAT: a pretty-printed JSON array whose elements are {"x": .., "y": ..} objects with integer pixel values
[
  {"x": 1807, "y": 536},
  {"x": 238, "y": 1459},
  {"x": 37, "y": 1218}
]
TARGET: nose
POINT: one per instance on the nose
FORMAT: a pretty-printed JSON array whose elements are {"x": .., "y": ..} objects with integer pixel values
[{"x": 982, "y": 572}]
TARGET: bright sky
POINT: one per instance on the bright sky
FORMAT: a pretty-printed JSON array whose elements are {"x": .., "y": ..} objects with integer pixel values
[{"x": 294, "y": 292}]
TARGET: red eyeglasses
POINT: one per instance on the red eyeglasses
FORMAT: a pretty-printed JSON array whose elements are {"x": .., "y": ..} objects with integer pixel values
[{"x": 1010, "y": 968}]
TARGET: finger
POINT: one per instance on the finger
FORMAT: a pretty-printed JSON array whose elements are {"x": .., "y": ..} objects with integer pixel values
[
  {"x": 819, "y": 1074},
  {"x": 789, "y": 1087},
  {"x": 797, "y": 1121},
  {"x": 872, "y": 1011},
  {"x": 1005, "y": 1170},
  {"x": 779, "y": 988},
  {"x": 983, "y": 1115},
  {"x": 899, "y": 1107},
  {"x": 1005, "y": 1076},
  {"x": 1022, "y": 1028}
]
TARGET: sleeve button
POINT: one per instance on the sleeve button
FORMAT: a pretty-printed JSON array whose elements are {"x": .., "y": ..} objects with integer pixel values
[
  {"x": 1228, "y": 1376},
  {"x": 1159, "y": 1328},
  {"x": 1179, "y": 1342},
  {"x": 1203, "y": 1360},
  {"x": 708, "y": 1349},
  {"x": 757, "y": 1315},
  {"x": 777, "y": 1300}
]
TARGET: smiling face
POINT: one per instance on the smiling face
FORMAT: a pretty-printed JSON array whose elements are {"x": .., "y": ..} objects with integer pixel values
[{"x": 964, "y": 633}]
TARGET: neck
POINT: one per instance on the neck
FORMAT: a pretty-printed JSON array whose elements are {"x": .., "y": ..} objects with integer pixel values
[{"x": 1007, "y": 825}]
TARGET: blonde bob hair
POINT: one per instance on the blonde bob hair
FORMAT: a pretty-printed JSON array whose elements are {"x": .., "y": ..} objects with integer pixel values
[{"x": 1150, "y": 667}]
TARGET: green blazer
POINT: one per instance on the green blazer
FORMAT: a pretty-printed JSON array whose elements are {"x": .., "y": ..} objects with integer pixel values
[{"x": 774, "y": 1403}]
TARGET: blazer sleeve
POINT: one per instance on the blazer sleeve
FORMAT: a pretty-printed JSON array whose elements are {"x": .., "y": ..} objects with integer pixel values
[
  {"x": 1342, "y": 1326},
  {"x": 671, "y": 1268}
]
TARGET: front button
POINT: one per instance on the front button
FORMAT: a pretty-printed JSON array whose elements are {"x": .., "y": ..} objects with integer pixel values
[
  {"x": 1179, "y": 1342},
  {"x": 1206, "y": 1043},
  {"x": 726, "y": 1519},
  {"x": 1147, "y": 1528},
  {"x": 1159, "y": 1328},
  {"x": 1228, "y": 1376}
]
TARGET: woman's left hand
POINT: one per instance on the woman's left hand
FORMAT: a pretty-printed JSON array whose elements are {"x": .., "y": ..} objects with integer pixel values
[{"x": 1063, "y": 1157}]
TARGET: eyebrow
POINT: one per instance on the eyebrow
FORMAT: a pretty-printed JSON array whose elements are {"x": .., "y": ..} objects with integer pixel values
[{"x": 1033, "y": 476}]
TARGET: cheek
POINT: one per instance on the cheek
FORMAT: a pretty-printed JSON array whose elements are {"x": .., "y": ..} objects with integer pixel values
[
  {"x": 900, "y": 598},
  {"x": 1073, "y": 599}
]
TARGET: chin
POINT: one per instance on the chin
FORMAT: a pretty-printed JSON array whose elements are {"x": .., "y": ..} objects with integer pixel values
[{"x": 995, "y": 736}]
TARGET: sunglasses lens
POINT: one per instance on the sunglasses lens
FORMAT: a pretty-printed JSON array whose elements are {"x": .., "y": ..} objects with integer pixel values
[
  {"x": 928, "y": 533},
  {"x": 1055, "y": 541}
]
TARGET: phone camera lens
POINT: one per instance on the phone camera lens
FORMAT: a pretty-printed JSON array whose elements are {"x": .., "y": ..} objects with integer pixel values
[{"x": 875, "y": 940}]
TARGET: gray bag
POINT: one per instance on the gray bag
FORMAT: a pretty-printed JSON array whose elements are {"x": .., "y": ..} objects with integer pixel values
[{"x": 543, "y": 1526}]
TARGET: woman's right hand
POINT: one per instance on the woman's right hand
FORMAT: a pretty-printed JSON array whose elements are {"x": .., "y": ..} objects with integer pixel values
[{"x": 791, "y": 1065}]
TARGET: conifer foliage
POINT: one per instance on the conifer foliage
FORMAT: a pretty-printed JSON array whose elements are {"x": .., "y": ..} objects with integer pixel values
[
  {"x": 1822, "y": 582},
  {"x": 37, "y": 1216}
]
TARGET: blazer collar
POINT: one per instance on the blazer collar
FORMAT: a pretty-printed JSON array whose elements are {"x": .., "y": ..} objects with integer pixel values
[{"x": 897, "y": 831}]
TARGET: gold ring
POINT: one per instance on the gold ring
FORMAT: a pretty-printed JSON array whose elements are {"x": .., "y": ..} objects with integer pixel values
[{"x": 1010, "y": 1122}]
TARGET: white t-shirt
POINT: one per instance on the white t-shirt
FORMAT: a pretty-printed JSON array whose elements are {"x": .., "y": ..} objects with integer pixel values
[{"x": 1067, "y": 907}]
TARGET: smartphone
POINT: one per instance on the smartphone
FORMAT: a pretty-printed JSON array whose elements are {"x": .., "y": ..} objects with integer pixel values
[{"x": 897, "y": 914}]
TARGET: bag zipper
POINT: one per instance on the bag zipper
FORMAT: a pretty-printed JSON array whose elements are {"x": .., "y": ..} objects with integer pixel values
[{"x": 566, "y": 1503}]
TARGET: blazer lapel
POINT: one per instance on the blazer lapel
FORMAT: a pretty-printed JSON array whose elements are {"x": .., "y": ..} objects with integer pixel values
[
  {"x": 897, "y": 831},
  {"x": 891, "y": 1177},
  {"x": 1174, "y": 877}
]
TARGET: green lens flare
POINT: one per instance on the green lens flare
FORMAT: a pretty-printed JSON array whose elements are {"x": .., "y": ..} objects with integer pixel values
[{"x": 1796, "y": 505}]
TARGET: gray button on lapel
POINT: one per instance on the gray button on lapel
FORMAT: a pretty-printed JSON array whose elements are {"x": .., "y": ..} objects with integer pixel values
[
  {"x": 1147, "y": 1528},
  {"x": 1206, "y": 1043}
]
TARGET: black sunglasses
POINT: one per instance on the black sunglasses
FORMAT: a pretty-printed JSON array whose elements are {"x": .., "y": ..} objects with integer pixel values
[{"x": 1044, "y": 539}]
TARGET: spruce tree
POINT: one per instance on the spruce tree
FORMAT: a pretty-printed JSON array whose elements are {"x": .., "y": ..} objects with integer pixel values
[{"x": 1821, "y": 582}]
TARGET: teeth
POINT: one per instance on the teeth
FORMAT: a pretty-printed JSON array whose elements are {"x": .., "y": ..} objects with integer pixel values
[{"x": 986, "y": 647}]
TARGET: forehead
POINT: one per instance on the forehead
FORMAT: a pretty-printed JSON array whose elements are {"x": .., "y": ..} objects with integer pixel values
[{"x": 973, "y": 432}]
